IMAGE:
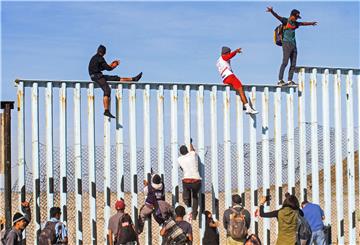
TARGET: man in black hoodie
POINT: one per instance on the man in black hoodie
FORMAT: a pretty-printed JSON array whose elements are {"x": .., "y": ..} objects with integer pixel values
[{"x": 98, "y": 64}]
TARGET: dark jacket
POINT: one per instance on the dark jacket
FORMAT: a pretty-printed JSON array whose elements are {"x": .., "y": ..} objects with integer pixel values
[
  {"x": 98, "y": 64},
  {"x": 239, "y": 208}
]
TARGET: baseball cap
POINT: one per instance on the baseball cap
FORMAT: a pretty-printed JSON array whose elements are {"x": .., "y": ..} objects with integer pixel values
[
  {"x": 120, "y": 204},
  {"x": 296, "y": 13}
]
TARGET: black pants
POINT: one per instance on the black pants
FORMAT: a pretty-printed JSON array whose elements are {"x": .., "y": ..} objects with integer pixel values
[
  {"x": 191, "y": 191},
  {"x": 101, "y": 80},
  {"x": 289, "y": 52}
]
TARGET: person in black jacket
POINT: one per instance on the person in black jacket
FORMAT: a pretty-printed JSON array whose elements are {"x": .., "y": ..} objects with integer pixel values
[
  {"x": 211, "y": 235},
  {"x": 98, "y": 64}
]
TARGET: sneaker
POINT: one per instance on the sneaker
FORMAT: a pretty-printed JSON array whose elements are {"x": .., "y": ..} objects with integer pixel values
[
  {"x": 137, "y": 77},
  {"x": 250, "y": 110},
  {"x": 107, "y": 113},
  {"x": 291, "y": 83},
  {"x": 281, "y": 83}
]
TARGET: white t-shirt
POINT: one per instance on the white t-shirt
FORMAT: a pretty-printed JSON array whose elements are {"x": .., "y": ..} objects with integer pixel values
[{"x": 190, "y": 166}]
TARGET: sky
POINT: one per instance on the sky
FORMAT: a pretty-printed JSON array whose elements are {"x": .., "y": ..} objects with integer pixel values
[{"x": 168, "y": 41}]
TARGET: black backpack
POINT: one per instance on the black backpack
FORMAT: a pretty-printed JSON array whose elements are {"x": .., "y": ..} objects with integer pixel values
[
  {"x": 303, "y": 230},
  {"x": 126, "y": 232},
  {"x": 48, "y": 234}
]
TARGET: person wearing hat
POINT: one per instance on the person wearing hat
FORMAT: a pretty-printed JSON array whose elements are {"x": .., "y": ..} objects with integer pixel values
[
  {"x": 289, "y": 43},
  {"x": 228, "y": 77},
  {"x": 236, "y": 207},
  {"x": 20, "y": 221},
  {"x": 98, "y": 64},
  {"x": 114, "y": 221},
  {"x": 155, "y": 193}
]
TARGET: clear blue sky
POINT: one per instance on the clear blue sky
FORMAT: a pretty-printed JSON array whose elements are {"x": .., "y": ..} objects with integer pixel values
[{"x": 168, "y": 41}]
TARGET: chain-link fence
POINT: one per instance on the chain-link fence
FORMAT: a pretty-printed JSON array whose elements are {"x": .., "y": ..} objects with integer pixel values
[{"x": 168, "y": 165}]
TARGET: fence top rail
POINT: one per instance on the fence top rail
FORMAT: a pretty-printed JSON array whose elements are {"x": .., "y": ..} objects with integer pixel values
[
  {"x": 332, "y": 70},
  {"x": 142, "y": 84}
]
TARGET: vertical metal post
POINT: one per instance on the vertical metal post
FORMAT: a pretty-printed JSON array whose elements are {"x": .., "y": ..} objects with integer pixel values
[
  {"x": 314, "y": 139},
  {"x": 78, "y": 163},
  {"x": 160, "y": 130},
  {"x": 92, "y": 167},
  {"x": 133, "y": 161},
  {"x": 358, "y": 112},
  {"x": 187, "y": 130},
  {"x": 62, "y": 151},
  {"x": 35, "y": 156},
  {"x": 265, "y": 160},
  {"x": 214, "y": 153},
  {"x": 240, "y": 148},
  {"x": 21, "y": 141},
  {"x": 147, "y": 156},
  {"x": 302, "y": 134},
  {"x": 253, "y": 161},
  {"x": 326, "y": 147},
  {"x": 290, "y": 139},
  {"x": 201, "y": 153},
  {"x": 350, "y": 158},
  {"x": 119, "y": 142},
  {"x": 49, "y": 145},
  {"x": 7, "y": 106},
  {"x": 227, "y": 146},
  {"x": 338, "y": 158},
  {"x": 278, "y": 148},
  {"x": 107, "y": 174},
  {"x": 174, "y": 146}
]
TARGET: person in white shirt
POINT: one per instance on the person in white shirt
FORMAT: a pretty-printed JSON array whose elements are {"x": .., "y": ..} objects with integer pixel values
[{"x": 188, "y": 162}]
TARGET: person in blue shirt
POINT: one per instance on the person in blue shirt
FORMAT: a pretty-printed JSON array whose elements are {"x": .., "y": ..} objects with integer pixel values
[{"x": 314, "y": 216}]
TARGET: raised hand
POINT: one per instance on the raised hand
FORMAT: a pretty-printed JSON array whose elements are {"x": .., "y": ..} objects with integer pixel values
[
  {"x": 269, "y": 9},
  {"x": 238, "y": 50}
]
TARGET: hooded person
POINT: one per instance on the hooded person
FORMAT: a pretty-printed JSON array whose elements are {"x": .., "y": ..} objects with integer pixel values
[
  {"x": 98, "y": 64},
  {"x": 155, "y": 192}
]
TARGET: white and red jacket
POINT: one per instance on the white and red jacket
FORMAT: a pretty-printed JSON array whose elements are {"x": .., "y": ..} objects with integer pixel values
[{"x": 224, "y": 66}]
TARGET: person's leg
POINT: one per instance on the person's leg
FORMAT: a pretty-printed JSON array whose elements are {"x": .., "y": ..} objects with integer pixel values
[
  {"x": 102, "y": 82},
  {"x": 286, "y": 56},
  {"x": 320, "y": 238},
  {"x": 196, "y": 187},
  {"x": 241, "y": 92},
  {"x": 145, "y": 212},
  {"x": 293, "y": 57},
  {"x": 186, "y": 195},
  {"x": 125, "y": 79}
]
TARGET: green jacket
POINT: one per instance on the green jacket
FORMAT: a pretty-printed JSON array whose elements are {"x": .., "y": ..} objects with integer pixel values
[{"x": 287, "y": 221}]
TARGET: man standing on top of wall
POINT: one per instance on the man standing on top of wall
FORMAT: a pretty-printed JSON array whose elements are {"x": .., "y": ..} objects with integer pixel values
[
  {"x": 289, "y": 43},
  {"x": 98, "y": 64}
]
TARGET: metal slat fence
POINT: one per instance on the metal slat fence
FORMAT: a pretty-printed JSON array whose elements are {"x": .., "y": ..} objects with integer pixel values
[{"x": 276, "y": 151}]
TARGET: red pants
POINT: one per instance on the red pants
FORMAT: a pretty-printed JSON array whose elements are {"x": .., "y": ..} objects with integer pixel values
[{"x": 233, "y": 81}]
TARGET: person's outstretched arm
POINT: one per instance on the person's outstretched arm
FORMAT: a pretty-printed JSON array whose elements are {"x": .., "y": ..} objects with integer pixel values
[
  {"x": 272, "y": 214},
  {"x": 270, "y": 9},
  {"x": 229, "y": 56},
  {"x": 314, "y": 23}
]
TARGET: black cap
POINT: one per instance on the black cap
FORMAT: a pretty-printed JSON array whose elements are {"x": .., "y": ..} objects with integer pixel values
[
  {"x": 225, "y": 50},
  {"x": 17, "y": 217},
  {"x": 101, "y": 49},
  {"x": 295, "y": 13},
  {"x": 156, "y": 179},
  {"x": 236, "y": 199}
]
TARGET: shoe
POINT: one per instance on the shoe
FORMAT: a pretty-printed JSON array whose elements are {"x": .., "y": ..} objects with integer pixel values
[
  {"x": 138, "y": 77},
  {"x": 250, "y": 110},
  {"x": 291, "y": 83},
  {"x": 108, "y": 114},
  {"x": 281, "y": 83}
]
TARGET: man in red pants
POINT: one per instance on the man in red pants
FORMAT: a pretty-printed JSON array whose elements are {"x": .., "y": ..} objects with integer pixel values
[{"x": 228, "y": 77}]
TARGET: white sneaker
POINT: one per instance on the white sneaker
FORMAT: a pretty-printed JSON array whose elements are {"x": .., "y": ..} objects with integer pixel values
[{"x": 250, "y": 110}]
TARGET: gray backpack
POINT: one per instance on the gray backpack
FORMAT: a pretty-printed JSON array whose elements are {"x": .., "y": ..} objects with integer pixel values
[{"x": 237, "y": 228}]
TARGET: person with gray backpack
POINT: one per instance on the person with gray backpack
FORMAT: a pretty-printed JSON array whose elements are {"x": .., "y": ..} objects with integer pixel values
[
  {"x": 54, "y": 232},
  {"x": 236, "y": 222}
]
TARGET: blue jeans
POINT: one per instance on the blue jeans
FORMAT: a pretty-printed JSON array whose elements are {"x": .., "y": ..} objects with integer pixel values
[{"x": 318, "y": 237}]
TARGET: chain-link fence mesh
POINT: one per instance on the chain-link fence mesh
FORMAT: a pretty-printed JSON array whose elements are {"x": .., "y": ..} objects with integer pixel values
[{"x": 168, "y": 165}]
